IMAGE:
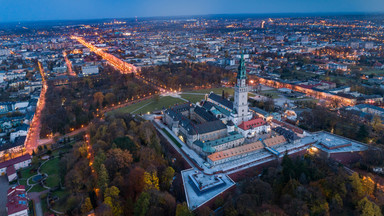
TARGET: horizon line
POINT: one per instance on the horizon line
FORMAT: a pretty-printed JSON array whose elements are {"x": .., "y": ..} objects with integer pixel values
[{"x": 282, "y": 14}]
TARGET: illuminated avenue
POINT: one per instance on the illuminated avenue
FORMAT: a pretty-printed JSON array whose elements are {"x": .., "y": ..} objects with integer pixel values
[
  {"x": 33, "y": 136},
  {"x": 122, "y": 66}
]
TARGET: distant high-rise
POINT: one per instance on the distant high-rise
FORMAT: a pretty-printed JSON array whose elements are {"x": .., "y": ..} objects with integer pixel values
[{"x": 262, "y": 24}]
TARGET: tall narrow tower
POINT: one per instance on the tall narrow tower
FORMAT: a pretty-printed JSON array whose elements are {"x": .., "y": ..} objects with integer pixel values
[{"x": 241, "y": 94}]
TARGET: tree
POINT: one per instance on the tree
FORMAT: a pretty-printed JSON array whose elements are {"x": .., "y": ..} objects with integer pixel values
[
  {"x": 110, "y": 98},
  {"x": 136, "y": 182},
  {"x": 117, "y": 160},
  {"x": 87, "y": 206},
  {"x": 98, "y": 98},
  {"x": 35, "y": 161},
  {"x": 362, "y": 134},
  {"x": 112, "y": 192},
  {"x": 151, "y": 181},
  {"x": 116, "y": 208},
  {"x": 111, "y": 198},
  {"x": 142, "y": 204},
  {"x": 167, "y": 178},
  {"x": 182, "y": 210},
  {"x": 98, "y": 160},
  {"x": 356, "y": 184},
  {"x": 368, "y": 208},
  {"x": 103, "y": 178}
]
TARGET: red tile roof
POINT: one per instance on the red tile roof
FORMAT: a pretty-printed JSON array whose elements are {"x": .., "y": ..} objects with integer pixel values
[
  {"x": 236, "y": 151},
  {"x": 275, "y": 141},
  {"x": 15, "y": 161},
  {"x": 17, "y": 200},
  {"x": 257, "y": 122},
  {"x": 11, "y": 170}
]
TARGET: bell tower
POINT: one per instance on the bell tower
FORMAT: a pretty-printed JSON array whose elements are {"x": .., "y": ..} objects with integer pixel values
[{"x": 241, "y": 94}]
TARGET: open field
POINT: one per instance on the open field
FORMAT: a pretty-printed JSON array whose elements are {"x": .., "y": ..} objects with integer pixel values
[
  {"x": 372, "y": 71},
  {"x": 61, "y": 204},
  {"x": 148, "y": 105},
  {"x": 214, "y": 90},
  {"x": 26, "y": 172},
  {"x": 37, "y": 188},
  {"x": 274, "y": 94},
  {"x": 192, "y": 98},
  {"x": 151, "y": 105},
  {"x": 51, "y": 168}
]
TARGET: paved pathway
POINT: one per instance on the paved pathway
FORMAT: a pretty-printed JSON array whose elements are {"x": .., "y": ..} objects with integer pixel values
[
  {"x": 39, "y": 173},
  {"x": 35, "y": 196},
  {"x": 4, "y": 186},
  {"x": 141, "y": 107}
]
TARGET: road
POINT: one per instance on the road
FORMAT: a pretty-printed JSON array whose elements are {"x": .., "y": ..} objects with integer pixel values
[
  {"x": 69, "y": 65},
  {"x": 120, "y": 65},
  {"x": 33, "y": 136}
]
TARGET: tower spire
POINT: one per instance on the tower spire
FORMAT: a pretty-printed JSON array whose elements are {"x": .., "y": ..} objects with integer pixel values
[{"x": 241, "y": 73}]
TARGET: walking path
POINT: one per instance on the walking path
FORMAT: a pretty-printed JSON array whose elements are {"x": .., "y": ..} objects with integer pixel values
[
  {"x": 141, "y": 107},
  {"x": 35, "y": 196},
  {"x": 45, "y": 175}
]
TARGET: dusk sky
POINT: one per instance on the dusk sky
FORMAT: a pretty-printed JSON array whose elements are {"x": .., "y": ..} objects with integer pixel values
[{"x": 28, "y": 10}]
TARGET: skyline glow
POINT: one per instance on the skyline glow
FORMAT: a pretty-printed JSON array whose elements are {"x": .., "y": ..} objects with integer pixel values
[{"x": 34, "y": 10}]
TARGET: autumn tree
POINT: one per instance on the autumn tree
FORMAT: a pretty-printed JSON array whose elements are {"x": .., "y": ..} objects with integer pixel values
[
  {"x": 151, "y": 181},
  {"x": 98, "y": 98},
  {"x": 166, "y": 178},
  {"x": 368, "y": 208},
  {"x": 111, "y": 198},
  {"x": 117, "y": 160},
  {"x": 103, "y": 178},
  {"x": 182, "y": 210},
  {"x": 110, "y": 98},
  {"x": 86, "y": 206},
  {"x": 142, "y": 204}
]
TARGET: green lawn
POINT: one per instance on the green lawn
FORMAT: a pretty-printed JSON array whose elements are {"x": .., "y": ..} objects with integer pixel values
[
  {"x": 372, "y": 71},
  {"x": 65, "y": 149},
  {"x": 172, "y": 138},
  {"x": 149, "y": 105},
  {"x": 43, "y": 201},
  {"x": 193, "y": 98},
  {"x": 37, "y": 188},
  {"x": 25, "y": 173},
  {"x": 52, "y": 169},
  {"x": 23, "y": 181},
  {"x": 270, "y": 93},
  {"x": 218, "y": 91},
  {"x": 62, "y": 204}
]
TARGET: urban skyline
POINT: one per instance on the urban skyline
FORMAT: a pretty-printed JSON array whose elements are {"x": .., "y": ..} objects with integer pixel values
[{"x": 16, "y": 11}]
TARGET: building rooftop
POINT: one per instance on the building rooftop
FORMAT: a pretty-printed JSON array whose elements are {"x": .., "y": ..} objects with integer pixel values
[
  {"x": 221, "y": 100},
  {"x": 236, "y": 151},
  {"x": 16, "y": 200},
  {"x": 332, "y": 142},
  {"x": 203, "y": 113},
  {"x": 206, "y": 145},
  {"x": 195, "y": 197},
  {"x": 257, "y": 122},
  {"x": 335, "y": 144},
  {"x": 274, "y": 141},
  {"x": 11, "y": 170},
  {"x": 15, "y": 161},
  {"x": 210, "y": 126},
  {"x": 259, "y": 111}
]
